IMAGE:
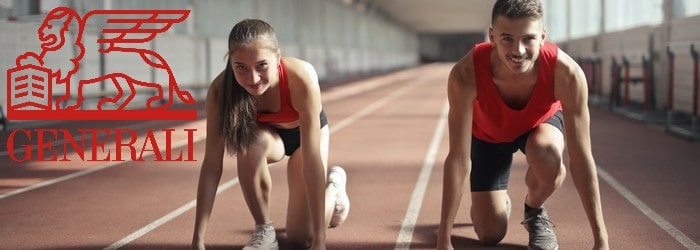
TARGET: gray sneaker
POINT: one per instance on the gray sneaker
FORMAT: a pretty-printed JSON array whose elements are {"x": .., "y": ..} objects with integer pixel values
[
  {"x": 263, "y": 238},
  {"x": 541, "y": 230}
]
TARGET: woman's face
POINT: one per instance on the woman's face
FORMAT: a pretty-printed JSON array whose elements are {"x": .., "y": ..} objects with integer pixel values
[{"x": 255, "y": 67}]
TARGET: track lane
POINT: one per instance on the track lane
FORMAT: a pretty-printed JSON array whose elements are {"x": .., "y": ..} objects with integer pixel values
[
  {"x": 380, "y": 173},
  {"x": 382, "y": 152}
]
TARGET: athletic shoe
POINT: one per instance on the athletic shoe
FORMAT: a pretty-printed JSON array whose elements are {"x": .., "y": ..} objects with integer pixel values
[
  {"x": 264, "y": 238},
  {"x": 338, "y": 178},
  {"x": 540, "y": 229}
]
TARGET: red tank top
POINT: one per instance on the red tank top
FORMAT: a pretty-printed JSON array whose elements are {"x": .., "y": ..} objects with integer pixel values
[
  {"x": 494, "y": 121},
  {"x": 286, "y": 113}
]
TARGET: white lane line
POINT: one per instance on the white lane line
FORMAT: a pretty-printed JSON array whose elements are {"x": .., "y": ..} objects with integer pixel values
[
  {"x": 168, "y": 217},
  {"x": 334, "y": 128},
  {"x": 90, "y": 170},
  {"x": 409, "y": 222},
  {"x": 646, "y": 210},
  {"x": 371, "y": 108}
]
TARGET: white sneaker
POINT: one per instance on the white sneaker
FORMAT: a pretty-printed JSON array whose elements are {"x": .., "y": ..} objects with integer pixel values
[
  {"x": 263, "y": 238},
  {"x": 338, "y": 178},
  {"x": 508, "y": 206}
]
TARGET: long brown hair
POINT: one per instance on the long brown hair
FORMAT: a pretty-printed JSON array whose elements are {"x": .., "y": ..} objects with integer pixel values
[{"x": 238, "y": 113}]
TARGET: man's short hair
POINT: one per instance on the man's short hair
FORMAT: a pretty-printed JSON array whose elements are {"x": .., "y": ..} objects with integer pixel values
[{"x": 514, "y": 9}]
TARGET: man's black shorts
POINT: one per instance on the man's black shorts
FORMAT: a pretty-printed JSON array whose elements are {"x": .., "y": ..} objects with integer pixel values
[{"x": 491, "y": 161}]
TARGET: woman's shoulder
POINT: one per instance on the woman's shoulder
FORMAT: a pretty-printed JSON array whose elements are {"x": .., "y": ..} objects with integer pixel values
[
  {"x": 300, "y": 71},
  {"x": 295, "y": 65},
  {"x": 215, "y": 86}
]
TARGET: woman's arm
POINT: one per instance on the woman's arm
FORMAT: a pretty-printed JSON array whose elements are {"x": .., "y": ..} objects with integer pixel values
[
  {"x": 210, "y": 173},
  {"x": 306, "y": 99}
]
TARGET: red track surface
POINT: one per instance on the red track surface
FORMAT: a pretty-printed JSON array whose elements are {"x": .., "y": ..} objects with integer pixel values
[{"x": 382, "y": 130}]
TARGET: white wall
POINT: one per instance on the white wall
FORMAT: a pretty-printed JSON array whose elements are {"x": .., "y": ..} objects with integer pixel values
[
  {"x": 572, "y": 19},
  {"x": 338, "y": 40}
]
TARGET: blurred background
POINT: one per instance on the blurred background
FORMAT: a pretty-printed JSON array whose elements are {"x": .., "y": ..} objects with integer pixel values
[{"x": 640, "y": 56}]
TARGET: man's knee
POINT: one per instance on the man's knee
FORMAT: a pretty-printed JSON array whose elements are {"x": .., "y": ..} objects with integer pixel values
[
  {"x": 490, "y": 223},
  {"x": 545, "y": 146},
  {"x": 544, "y": 152},
  {"x": 546, "y": 157},
  {"x": 490, "y": 235}
]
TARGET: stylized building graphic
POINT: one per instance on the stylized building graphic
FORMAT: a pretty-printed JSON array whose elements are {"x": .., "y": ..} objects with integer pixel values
[{"x": 30, "y": 87}]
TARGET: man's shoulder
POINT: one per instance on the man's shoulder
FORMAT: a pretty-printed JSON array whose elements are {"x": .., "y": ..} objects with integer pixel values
[
  {"x": 568, "y": 74},
  {"x": 565, "y": 64},
  {"x": 465, "y": 65},
  {"x": 463, "y": 73}
]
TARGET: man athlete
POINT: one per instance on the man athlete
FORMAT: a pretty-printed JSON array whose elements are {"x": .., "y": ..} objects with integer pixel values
[{"x": 517, "y": 92}]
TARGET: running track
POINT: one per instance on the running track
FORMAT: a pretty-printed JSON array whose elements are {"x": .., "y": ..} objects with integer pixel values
[{"x": 389, "y": 133}]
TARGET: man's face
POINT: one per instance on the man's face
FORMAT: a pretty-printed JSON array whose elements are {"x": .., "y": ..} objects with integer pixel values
[{"x": 518, "y": 42}]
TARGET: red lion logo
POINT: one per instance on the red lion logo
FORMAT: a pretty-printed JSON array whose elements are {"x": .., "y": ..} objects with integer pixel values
[{"x": 29, "y": 84}]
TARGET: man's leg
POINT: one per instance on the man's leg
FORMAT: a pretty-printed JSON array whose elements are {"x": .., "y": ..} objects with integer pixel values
[
  {"x": 544, "y": 153},
  {"x": 489, "y": 214},
  {"x": 489, "y": 181}
]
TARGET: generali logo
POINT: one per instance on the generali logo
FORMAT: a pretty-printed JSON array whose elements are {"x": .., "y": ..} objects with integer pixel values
[{"x": 33, "y": 84}]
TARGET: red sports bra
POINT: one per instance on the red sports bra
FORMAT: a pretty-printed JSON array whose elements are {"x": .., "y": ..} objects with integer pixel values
[{"x": 286, "y": 112}]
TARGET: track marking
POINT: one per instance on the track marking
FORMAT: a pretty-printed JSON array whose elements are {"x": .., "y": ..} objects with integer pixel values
[
  {"x": 646, "y": 210},
  {"x": 192, "y": 204},
  {"x": 409, "y": 222},
  {"x": 371, "y": 108},
  {"x": 168, "y": 217}
]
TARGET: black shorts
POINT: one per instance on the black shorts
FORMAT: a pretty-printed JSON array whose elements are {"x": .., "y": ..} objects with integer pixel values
[
  {"x": 291, "y": 136},
  {"x": 491, "y": 161}
]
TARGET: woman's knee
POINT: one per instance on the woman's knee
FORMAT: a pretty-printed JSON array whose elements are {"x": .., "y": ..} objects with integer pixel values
[
  {"x": 260, "y": 148},
  {"x": 299, "y": 239}
]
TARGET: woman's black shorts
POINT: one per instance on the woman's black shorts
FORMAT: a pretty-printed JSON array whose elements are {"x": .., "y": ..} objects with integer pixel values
[{"x": 291, "y": 137}]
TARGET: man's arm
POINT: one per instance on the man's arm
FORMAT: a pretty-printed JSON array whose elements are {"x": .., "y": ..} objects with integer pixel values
[
  {"x": 460, "y": 94},
  {"x": 572, "y": 90}
]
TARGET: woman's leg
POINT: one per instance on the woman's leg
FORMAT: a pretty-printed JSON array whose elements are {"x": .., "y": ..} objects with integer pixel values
[
  {"x": 299, "y": 229},
  {"x": 254, "y": 174}
]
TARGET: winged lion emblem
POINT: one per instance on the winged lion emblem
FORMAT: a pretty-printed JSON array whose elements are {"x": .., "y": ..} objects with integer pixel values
[{"x": 120, "y": 34}]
